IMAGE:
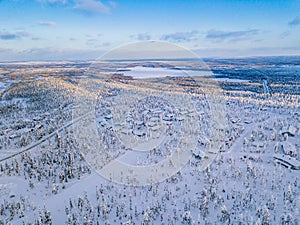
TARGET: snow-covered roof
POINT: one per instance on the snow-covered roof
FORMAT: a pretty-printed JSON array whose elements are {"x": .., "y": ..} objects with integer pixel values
[
  {"x": 286, "y": 160},
  {"x": 288, "y": 147},
  {"x": 291, "y": 130},
  {"x": 139, "y": 132},
  {"x": 198, "y": 153}
]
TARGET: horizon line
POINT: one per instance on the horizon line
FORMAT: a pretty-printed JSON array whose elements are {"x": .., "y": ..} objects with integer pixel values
[{"x": 140, "y": 60}]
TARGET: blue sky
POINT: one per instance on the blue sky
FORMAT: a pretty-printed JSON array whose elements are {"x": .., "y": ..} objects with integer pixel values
[{"x": 85, "y": 29}]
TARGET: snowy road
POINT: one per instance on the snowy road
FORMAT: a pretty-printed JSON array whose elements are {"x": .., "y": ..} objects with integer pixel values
[{"x": 10, "y": 153}]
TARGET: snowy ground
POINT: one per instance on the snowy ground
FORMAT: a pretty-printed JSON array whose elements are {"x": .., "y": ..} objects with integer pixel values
[{"x": 51, "y": 183}]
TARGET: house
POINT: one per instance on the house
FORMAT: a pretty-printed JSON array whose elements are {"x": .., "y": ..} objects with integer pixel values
[
  {"x": 258, "y": 144},
  {"x": 139, "y": 132},
  {"x": 287, "y": 161},
  {"x": 198, "y": 154},
  {"x": 168, "y": 117},
  {"x": 290, "y": 131},
  {"x": 287, "y": 148},
  {"x": 204, "y": 141}
]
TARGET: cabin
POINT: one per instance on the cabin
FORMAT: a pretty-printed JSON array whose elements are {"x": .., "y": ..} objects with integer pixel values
[
  {"x": 198, "y": 154},
  {"x": 258, "y": 144},
  {"x": 287, "y": 148},
  {"x": 168, "y": 117},
  {"x": 204, "y": 141},
  {"x": 108, "y": 116},
  {"x": 290, "y": 131},
  {"x": 126, "y": 131},
  {"x": 139, "y": 132},
  {"x": 287, "y": 161}
]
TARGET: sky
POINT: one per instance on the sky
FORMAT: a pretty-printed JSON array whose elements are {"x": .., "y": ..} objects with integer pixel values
[{"x": 86, "y": 29}]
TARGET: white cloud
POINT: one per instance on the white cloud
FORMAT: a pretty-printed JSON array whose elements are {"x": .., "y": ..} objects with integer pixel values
[
  {"x": 48, "y": 53},
  {"x": 141, "y": 36},
  {"x": 217, "y": 35},
  {"x": 13, "y": 36},
  {"x": 47, "y": 23},
  {"x": 181, "y": 36},
  {"x": 91, "y": 6},
  {"x": 246, "y": 52},
  {"x": 295, "y": 21},
  {"x": 53, "y": 1},
  {"x": 112, "y": 4}
]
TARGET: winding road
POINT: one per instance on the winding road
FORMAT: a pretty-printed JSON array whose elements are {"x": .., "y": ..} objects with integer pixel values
[{"x": 16, "y": 152}]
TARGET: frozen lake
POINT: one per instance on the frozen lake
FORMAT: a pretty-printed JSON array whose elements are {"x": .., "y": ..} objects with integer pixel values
[
  {"x": 224, "y": 79},
  {"x": 241, "y": 91},
  {"x": 141, "y": 72}
]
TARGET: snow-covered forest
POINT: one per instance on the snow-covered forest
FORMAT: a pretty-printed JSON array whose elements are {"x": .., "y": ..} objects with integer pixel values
[{"x": 46, "y": 176}]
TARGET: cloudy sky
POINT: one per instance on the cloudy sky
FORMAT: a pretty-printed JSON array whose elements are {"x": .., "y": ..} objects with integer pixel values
[{"x": 85, "y": 29}]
